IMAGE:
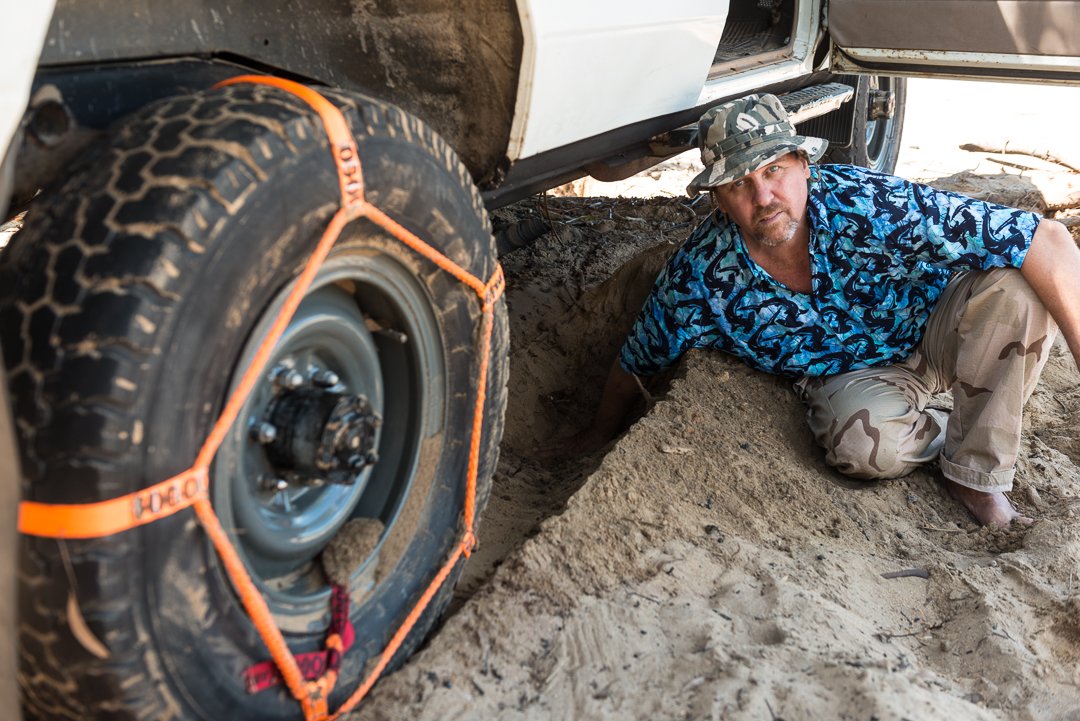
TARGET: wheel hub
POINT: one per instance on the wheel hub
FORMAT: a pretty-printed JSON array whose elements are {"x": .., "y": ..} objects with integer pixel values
[
  {"x": 332, "y": 430},
  {"x": 319, "y": 434},
  {"x": 881, "y": 104}
]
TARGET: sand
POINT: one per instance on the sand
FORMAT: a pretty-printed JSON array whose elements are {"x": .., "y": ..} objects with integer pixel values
[{"x": 708, "y": 565}]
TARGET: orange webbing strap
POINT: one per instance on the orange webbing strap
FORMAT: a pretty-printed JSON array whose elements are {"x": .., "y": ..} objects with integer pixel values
[
  {"x": 314, "y": 697},
  {"x": 342, "y": 143},
  {"x": 402, "y": 632},
  {"x": 104, "y": 518},
  {"x": 92, "y": 520},
  {"x": 468, "y": 540},
  {"x": 190, "y": 488}
]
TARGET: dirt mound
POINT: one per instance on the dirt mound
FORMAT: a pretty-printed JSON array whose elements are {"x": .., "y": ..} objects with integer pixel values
[
  {"x": 710, "y": 566},
  {"x": 572, "y": 297}
]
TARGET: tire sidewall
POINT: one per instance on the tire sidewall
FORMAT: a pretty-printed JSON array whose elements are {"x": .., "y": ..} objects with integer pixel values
[
  {"x": 201, "y": 631},
  {"x": 890, "y": 151},
  {"x": 858, "y": 152}
]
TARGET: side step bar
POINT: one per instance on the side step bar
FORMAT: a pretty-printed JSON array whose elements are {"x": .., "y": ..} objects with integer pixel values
[
  {"x": 816, "y": 100},
  {"x": 801, "y": 105}
]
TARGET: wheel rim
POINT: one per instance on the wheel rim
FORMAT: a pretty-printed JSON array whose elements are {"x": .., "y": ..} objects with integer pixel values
[
  {"x": 367, "y": 321},
  {"x": 879, "y": 132}
]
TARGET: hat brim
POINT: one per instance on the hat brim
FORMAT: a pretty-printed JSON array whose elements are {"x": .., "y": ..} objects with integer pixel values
[{"x": 743, "y": 163}]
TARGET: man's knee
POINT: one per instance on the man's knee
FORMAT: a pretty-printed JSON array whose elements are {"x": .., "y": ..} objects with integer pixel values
[
  {"x": 1010, "y": 316},
  {"x": 867, "y": 446}
]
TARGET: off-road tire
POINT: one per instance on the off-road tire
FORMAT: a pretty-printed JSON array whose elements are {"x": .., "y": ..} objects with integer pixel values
[
  {"x": 9, "y": 501},
  {"x": 879, "y": 149},
  {"x": 125, "y": 301}
]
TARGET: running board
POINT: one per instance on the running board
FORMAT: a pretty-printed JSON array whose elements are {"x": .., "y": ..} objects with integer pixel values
[{"x": 801, "y": 105}]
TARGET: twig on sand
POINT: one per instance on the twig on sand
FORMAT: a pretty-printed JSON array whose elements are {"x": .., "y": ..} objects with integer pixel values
[
  {"x": 771, "y": 712},
  {"x": 647, "y": 598},
  {"x": 907, "y": 572},
  {"x": 942, "y": 530},
  {"x": 889, "y": 636},
  {"x": 886, "y": 636},
  {"x": 1002, "y": 634},
  {"x": 547, "y": 216},
  {"x": 1011, "y": 164},
  {"x": 1008, "y": 147}
]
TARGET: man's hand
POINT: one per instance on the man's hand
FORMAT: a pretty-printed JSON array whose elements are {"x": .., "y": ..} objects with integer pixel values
[{"x": 619, "y": 392}]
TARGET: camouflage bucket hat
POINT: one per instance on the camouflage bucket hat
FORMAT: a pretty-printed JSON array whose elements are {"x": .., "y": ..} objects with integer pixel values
[{"x": 743, "y": 135}]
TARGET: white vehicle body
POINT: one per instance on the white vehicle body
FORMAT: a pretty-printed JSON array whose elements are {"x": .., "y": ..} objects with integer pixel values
[{"x": 592, "y": 68}]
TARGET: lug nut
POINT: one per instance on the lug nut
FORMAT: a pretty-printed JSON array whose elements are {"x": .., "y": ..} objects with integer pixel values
[
  {"x": 264, "y": 433},
  {"x": 362, "y": 461},
  {"x": 288, "y": 378},
  {"x": 325, "y": 378},
  {"x": 394, "y": 335},
  {"x": 273, "y": 483}
]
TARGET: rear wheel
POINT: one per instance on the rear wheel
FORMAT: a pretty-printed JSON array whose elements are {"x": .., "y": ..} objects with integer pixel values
[
  {"x": 134, "y": 298},
  {"x": 879, "y": 122}
]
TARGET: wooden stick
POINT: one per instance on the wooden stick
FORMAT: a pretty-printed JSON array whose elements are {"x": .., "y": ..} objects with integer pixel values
[
  {"x": 916, "y": 572},
  {"x": 1022, "y": 150}
]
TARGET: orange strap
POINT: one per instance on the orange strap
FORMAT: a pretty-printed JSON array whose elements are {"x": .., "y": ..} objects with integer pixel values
[
  {"x": 93, "y": 520},
  {"x": 190, "y": 488}
]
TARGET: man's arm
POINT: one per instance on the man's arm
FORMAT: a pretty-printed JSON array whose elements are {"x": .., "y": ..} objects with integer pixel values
[
  {"x": 1052, "y": 269},
  {"x": 615, "y": 403}
]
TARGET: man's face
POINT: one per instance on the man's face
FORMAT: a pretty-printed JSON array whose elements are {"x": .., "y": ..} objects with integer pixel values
[{"x": 769, "y": 204}]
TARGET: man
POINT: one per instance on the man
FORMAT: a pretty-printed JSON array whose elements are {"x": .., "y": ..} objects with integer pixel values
[{"x": 873, "y": 293}]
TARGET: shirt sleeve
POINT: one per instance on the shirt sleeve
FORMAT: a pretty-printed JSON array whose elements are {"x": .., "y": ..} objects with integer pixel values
[
  {"x": 668, "y": 324},
  {"x": 956, "y": 232}
]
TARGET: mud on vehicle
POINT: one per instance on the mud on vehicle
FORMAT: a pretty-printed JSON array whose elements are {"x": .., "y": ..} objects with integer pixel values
[{"x": 171, "y": 217}]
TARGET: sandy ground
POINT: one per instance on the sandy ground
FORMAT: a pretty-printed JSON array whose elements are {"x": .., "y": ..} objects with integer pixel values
[{"x": 709, "y": 565}]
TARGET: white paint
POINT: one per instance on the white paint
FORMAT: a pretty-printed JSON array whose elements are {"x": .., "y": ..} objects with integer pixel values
[
  {"x": 593, "y": 66},
  {"x": 797, "y": 64},
  {"x": 750, "y": 81},
  {"x": 28, "y": 22}
]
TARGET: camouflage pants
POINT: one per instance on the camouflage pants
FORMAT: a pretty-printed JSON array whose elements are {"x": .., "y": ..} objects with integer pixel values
[{"x": 987, "y": 340}]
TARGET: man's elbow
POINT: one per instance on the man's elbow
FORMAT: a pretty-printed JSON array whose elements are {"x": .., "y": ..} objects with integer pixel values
[
  {"x": 1054, "y": 232},
  {"x": 1052, "y": 244}
]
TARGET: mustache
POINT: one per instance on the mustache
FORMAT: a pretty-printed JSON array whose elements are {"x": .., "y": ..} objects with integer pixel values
[{"x": 765, "y": 213}]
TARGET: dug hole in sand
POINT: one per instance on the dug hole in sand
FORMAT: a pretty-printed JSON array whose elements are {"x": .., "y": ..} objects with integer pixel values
[{"x": 709, "y": 565}]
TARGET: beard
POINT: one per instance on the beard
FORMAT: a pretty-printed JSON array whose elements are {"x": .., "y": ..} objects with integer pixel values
[{"x": 779, "y": 231}]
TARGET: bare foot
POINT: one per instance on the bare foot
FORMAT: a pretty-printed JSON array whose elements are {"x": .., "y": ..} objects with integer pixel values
[{"x": 989, "y": 509}]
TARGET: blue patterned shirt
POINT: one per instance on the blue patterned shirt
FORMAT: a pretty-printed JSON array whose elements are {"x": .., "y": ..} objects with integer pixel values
[{"x": 882, "y": 249}]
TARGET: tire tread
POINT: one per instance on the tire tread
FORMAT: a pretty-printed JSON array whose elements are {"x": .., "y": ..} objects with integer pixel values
[{"x": 110, "y": 258}]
